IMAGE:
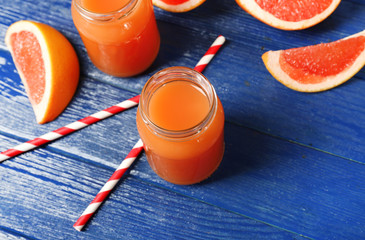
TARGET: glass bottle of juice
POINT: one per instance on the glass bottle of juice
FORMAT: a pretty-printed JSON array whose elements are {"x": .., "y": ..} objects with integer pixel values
[
  {"x": 181, "y": 123},
  {"x": 121, "y": 36}
]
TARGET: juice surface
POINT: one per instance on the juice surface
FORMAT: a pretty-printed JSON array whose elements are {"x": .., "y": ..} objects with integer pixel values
[
  {"x": 178, "y": 105},
  {"x": 119, "y": 46}
]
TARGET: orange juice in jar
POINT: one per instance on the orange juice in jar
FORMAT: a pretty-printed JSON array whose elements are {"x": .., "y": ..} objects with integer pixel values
[
  {"x": 120, "y": 36},
  {"x": 181, "y": 123}
]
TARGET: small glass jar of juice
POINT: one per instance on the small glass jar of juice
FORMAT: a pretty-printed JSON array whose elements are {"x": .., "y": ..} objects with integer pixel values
[
  {"x": 181, "y": 123},
  {"x": 121, "y": 36}
]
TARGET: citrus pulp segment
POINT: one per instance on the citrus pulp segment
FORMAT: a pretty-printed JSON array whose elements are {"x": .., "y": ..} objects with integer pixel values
[
  {"x": 177, "y": 5},
  {"x": 47, "y": 65},
  {"x": 289, "y": 15},
  {"x": 318, "y": 67}
]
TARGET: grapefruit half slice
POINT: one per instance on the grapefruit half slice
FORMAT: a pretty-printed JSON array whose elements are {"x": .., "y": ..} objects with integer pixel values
[
  {"x": 47, "y": 65},
  {"x": 177, "y": 5},
  {"x": 318, "y": 67},
  {"x": 289, "y": 15}
]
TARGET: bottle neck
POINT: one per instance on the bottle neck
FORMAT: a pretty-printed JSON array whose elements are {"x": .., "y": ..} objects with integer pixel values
[
  {"x": 92, "y": 15},
  {"x": 170, "y": 75}
]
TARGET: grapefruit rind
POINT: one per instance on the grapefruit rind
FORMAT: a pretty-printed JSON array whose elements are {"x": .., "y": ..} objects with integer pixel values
[
  {"x": 256, "y": 11},
  {"x": 183, "y": 7},
  {"x": 271, "y": 61},
  {"x": 62, "y": 74}
]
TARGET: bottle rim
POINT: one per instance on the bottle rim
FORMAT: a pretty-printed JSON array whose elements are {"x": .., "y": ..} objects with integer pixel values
[
  {"x": 169, "y": 75},
  {"x": 123, "y": 11}
]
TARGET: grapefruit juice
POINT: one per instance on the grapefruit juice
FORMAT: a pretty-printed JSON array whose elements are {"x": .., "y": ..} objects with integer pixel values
[
  {"x": 181, "y": 123},
  {"x": 120, "y": 36}
]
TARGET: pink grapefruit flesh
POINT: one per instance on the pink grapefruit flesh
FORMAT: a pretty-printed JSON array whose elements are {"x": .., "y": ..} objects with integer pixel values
[{"x": 318, "y": 67}]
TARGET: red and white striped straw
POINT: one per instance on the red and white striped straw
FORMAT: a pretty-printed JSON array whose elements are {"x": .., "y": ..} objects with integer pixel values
[
  {"x": 208, "y": 56},
  {"x": 136, "y": 150},
  {"x": 108, "y": 187},
  {"x": 70, "y": 128}
]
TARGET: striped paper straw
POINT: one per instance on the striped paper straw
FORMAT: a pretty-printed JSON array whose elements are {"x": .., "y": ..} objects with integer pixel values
[
  {"x": 200, "y": 66},
  {"x": 109, "y": 185},
  {"x": 70, "y": 128},
  {"x": 137, "y": 149}
]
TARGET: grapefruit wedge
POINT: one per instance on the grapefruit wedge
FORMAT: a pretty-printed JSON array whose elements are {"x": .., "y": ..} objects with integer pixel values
[
  {"x": 318, "y": 67},
  {"x": 289, "y": 15},
  {"x": 177, "y": 5},
  {"x": 47, "y": 65}
]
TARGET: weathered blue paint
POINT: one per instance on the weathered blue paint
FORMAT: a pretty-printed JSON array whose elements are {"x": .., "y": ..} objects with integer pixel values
[{"x": 294, "y": 166}]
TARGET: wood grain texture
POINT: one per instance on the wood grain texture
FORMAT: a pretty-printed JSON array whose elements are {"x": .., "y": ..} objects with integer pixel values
[
  {"x": 324, "y": 116},
  {"x": 286, "y": 180},
  {"x": 52, "y": 189},
  {"x": 294, "y": 165},
  {"x": 287, "y": 185}
]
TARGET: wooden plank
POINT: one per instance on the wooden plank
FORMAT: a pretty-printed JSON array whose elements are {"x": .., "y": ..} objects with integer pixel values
[
  {"x": 276, "y": 181},
  {"x": 293, "y": 187},
  {"x": 17, "y": 119},
  {"x": 107, "y": 142},
  {"x": 45, "y": 192},
  {"x": 250, "y": 95},
  {"x": 253, "y": 98},
  {"x": 8, "y": 234},
  {"x": 271, "y": 180}
]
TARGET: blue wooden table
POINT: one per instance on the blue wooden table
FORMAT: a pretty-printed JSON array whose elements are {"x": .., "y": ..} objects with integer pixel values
[{"x": 294, "y": 165}]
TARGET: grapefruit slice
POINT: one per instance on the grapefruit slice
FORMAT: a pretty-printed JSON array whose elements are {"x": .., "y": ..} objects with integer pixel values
[
  {"x": 318, "y": 67},
  {"x": 47, "y": 65},
  {"x": 289, "y": 15},
  {"x": 177, "y": 5}
]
